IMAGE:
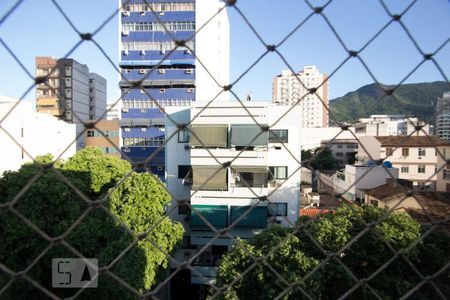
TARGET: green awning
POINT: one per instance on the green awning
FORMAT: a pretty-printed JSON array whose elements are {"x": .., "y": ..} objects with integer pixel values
[
  {"x": 256, "y": 218},
  {"x": 248, "y": 135},
  {"x": 216, "y": 215},
  {"x": 211, "y": 177},
  {"x": 251, "y": 169},
  {"x": 209, "y": 135}
]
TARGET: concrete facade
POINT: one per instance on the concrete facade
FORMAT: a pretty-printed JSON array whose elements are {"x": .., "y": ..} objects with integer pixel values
[
  {"x": 384, "y": 125},
  {"x": 342, "y": 150},
  {"x": 106, "y": 135},
  {"x": 443, "y": 116},
  {"x": 169, "y": 74},
  {"x": 416, "y": 157},
  {"x": 352, "y": 182},
  {"x": 31, "y": 134},
  {"x": 266, "y": 168},
  {"x": 289, "y": 89},
  {"x": 70, "y": 93}
]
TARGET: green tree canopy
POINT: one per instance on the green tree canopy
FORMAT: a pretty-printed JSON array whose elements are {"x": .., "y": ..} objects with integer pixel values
[
  {"x": 58, "y": 211},
  {"x": 323, "y": 161},
  {"x": 313, "y": 258}
]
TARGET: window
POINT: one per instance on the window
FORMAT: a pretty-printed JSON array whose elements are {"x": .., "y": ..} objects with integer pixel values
[
  {"x": 404, "y": 169},
  {"x": 421, "y": 152},
  {"x": 183, "y": 171},
  {"x": 389, "y": 151},
  {"x": 183, "y": 136},
  {"x": 421, "y": 169},
  {"x": 90, "y": 133},
  {"x": 183, "y": 209},
  {"x": 446, "y": 175},
  {"x": 339, "y": 154},
  {"x": 277, "y": 209},
  {"x": 339, "y": 146},
  {"x": 405, "y": 151},
  {"x": 277, "y": 173},
  {"x": 278, "y": 136}
]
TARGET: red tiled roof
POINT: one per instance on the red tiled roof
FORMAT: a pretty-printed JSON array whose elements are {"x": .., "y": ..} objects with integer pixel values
[{"x": 411, "y": 141}]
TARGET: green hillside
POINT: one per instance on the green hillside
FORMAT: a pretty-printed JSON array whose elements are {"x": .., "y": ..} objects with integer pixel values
[{"x": 417, "y": 99}]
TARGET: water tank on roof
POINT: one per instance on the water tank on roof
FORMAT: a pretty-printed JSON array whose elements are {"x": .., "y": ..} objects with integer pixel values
[
  {"x": 371, "y": 163},
  {"x": 387, "y": 164}
]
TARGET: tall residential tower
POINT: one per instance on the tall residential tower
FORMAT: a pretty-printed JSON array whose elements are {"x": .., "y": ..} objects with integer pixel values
[
  {"x": 165, "y": 62},
  {"x": 288, "y": 90},
  {"x": 443, "y": 117}
]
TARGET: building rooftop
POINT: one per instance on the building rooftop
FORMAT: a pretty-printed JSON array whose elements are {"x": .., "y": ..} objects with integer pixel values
[
  {"x": 386, "y": 191},
  {"x": 411, "y": 141}
]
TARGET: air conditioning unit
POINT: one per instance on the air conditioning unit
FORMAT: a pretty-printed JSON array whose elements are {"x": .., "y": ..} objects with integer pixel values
[
  {"x": 161, "y": 71},
  {"x": 190, "y": 90},
  {"x": 142, "y": 52},
  {"x": 189, "y": 71},
  {"x": 142, "y": 13},
  {"x": 125, "y": 52},
  {"x": 163, "y": 51},
  {"x": 126, "y": 13},
  {"x": 125, "y": 32},
  {"x": 187, "y": 51},
  {"x": 142, "y": 71},
  {"x": 161, "y": 13},
  {"x": 124, "y": 109}
]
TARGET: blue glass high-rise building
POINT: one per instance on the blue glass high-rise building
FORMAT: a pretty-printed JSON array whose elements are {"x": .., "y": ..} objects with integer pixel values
[{"x": 157, "y": 71}]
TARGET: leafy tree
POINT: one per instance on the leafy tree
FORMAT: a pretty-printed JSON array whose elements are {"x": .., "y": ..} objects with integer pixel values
[
  {"x": 94, "y": 230},
  {"x": 323, "y": 161},
  {"x": 318, "y": 240}
]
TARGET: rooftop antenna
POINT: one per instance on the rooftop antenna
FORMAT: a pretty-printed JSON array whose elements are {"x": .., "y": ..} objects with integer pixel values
[{"x": 249, "y": 96}]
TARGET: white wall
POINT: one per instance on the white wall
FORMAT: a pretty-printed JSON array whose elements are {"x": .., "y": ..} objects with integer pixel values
[
  {"x": 212, "y": 48},
  {"x": 361, "y": 177},
  {"x": 37, "y": 133},
  {"x": 312, "y": 137}
]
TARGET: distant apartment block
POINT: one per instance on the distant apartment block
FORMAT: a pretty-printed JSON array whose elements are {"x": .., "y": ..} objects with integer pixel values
[
  {"x": 342, "y": 150},
  {"x": 70, "y": 93},
  {"x": 33, "y": 133},
  {"x": 417, "y": 157},
  {"x": 312, "y": 137},
  {"x": 443, "y": 116},
  {"x": 106, "y": 135},
  {"x": 289, "y": 88},
  {"x": 169, "y": 74},
  {"x": 385, "y": 125},
  {"x": 263, "y": 164}
]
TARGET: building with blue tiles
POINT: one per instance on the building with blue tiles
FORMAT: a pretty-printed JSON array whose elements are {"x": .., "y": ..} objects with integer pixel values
[{"x": 165, "y": 62}]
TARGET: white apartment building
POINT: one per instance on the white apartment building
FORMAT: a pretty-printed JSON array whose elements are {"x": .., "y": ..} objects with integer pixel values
[
  {"x": 114, "y": 110},
  {"x": 288, "y": 90},
  {"x": 31, "y": 134},
  {"x": 415, "y": 156},
  {"x": 341, "y": 149},
  {"x": 385, "y": 125},
  {"x": 443, "y": 116},
  {"x": 227, "y": 168},
  {"x": 212, "y": 50},
  {"x": 355, "y": 179}
]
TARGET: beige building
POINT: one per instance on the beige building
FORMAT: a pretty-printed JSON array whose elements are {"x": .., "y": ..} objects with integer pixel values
[
  {"x": 290, "y": 88},
  {"x": 106, "y": 136},
  {"x": 70, "y": 92},
  {"x": 417, "y": 157},
  {"x": 427, "y": 208}
]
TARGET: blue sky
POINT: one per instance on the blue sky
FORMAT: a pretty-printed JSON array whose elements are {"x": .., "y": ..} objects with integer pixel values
[{"x": 37, "y": 28}]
